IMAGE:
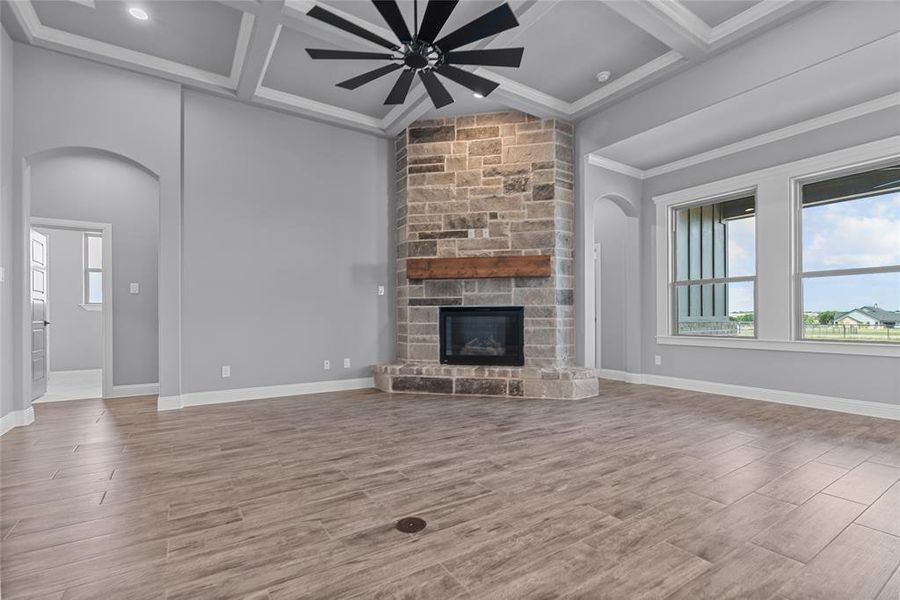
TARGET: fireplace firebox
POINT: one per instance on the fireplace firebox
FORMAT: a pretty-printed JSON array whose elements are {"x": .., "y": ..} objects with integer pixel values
[{"x": 482, "y": 335}]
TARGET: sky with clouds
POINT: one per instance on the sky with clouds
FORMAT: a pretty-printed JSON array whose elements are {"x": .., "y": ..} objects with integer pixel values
[{"x": 843, "y": 235}]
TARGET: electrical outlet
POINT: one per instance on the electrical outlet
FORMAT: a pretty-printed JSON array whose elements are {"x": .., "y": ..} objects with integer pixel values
[
  {"x": 226, "y": 370},
  {"x": 381, "y": 290},
  {"x": 657, "y": 359},
  {"x": 134, "y": 288},
  {"x": 327, "y": 365},
  {"x": 346, "y": 363}
]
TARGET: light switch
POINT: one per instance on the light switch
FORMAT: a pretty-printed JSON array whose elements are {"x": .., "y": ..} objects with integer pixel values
[
  {"x": 381, "y": 290},
  {"x": 134, "y": 288},
  {"x": 2, "y": 274}
]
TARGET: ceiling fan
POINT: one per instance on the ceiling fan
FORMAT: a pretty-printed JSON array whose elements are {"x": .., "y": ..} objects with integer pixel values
[{"x": 422, "y": 52}]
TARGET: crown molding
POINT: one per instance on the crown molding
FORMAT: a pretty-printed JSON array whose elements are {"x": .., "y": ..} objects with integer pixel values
[
  {"x": 261, "y": 22},
  {"x": 613, "y": 165},
  {"x": 833, "y": 118},
  {"x": 54, "y": 39},
  {"x": 597, "y": 159},
  {"x": 318, "y": 110}
]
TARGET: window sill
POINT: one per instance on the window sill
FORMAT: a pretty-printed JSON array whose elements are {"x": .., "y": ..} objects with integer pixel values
[
  {"x": 846, "y": 348},
  {"x": 92, "y": 307}
]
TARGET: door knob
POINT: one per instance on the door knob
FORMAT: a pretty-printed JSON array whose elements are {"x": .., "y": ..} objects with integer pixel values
[{"x": 46, "y": 323}]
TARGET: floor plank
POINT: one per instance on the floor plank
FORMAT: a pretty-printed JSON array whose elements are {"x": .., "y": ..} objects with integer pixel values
[
  {"x": 856, "y": 565},
  {"x": 638, "y": 493}
]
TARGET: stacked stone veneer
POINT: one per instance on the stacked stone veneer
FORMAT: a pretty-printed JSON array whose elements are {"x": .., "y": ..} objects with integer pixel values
[{"x": 496, "y": 184}]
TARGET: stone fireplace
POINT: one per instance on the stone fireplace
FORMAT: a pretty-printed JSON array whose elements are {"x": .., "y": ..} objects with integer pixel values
[{"x": 486, "y": 187}]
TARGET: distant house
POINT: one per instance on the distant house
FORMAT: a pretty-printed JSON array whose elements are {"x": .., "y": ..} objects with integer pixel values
[{"x": 870, "y": 316}]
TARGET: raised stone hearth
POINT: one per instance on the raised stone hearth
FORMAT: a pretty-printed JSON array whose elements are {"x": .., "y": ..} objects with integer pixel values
[
  {"x": 514, "y": 382},
  {"x": 487, "y": 185}
]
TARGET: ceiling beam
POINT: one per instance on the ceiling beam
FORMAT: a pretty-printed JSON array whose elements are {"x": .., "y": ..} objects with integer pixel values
[
  {"x": 669, "y": 21},
  {"x": 259, "y": 50}
]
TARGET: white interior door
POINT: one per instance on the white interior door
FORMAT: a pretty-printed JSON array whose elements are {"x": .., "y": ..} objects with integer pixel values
[{"x": 39, "y": 313}]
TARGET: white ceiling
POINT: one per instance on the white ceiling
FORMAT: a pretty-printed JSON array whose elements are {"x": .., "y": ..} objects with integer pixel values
[{"x": 255, "y": 50}]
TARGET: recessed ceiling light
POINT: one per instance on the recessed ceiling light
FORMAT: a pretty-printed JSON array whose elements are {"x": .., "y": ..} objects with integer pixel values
[
  {"x": 477, "y": 95},
  {"x": 603, "y": 76},
  {"x": 138, "y": 13}
]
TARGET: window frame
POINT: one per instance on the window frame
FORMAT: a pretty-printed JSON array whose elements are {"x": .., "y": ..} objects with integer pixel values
[
  {"x": 800, "y": 275},
  {"x": 674, "y": 283},
  {"x": 775, "y": 270},
  {"x": 87, "y": 270}
]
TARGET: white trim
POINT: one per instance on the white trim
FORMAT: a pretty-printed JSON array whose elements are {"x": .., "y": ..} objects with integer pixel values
[
  {"x": 168, "y": 403},
  {"x": 627, "y": 82},
  {"x": 838, "y": 116},
  {"x": 106, "y": 308},
  {"x": 818, "y": 347},
  {"x": 259, "y": 393},
  {"x": 134, "y": 389},
  {"x": 844, "y": 405},
  {"x": 56, "y": 39},
  {"x": 318, "y": 110},
  {"x": 833, "y": 118},
  {"x": 16, "y": 418},
  {"x": 775, "y": 188},
  {"x": 667, "y": 20},
  {"x": 614, "y": 165},
  {"x": 91, "y": 307},
  {"x": 616, "y": 375}
]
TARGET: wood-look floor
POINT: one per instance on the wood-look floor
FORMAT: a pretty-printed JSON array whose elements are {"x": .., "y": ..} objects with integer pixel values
[{"x": 642, "y": 492}]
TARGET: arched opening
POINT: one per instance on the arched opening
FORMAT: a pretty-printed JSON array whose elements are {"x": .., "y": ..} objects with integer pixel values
[
  {"x": 78, "y": 196},
  {"x": 612, "y": 282}
]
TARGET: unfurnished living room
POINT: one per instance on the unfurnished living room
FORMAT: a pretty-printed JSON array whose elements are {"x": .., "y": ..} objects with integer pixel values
[{"x": 433, "y": 299}]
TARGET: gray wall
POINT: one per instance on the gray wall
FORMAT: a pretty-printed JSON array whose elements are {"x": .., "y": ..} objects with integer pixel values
[
  {"x": 611, "y": 231},
  {"x": 874, "y": 379},
  {"x": 74, "y": 332},
  {"x": 7, "y": 333},
  {"x": 86, "y": 185},
  {"x": 286, "y": 238},
  {"x": 67, "y": 102}
]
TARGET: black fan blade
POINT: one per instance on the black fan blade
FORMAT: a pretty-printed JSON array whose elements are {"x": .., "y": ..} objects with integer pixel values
[
  {"x": 320, "y": 54},
  {"x": 507, "y": 57},
  {"x": 474, "y": 82},
  {"x": 436, "y": 90},
  {"x": 436, "y": 14},
  {"x": 390, "y": 12},
  {"x": 401, "y": 88},
  {"x": 316, "y": 12},
  {"x": 355, "y": 82},
  {"x": 488, "y": 24}
]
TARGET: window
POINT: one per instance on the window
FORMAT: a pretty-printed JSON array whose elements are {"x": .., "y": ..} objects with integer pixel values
[
  {"x": 715, "y": 268},
  {"x": 850, "y": 257},
  {"x": 93, "y": 269}
]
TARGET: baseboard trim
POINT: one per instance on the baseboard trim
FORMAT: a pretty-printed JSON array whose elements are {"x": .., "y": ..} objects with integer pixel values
[
  {"x": 168, "y": 403},
  {"x": 844, "y": 405},
  {"x": 136, "y": 389},
  {"x": 259, "y": 393},
  {"x": 16, "y": 418},
  {"x": 616, "y": 375}
]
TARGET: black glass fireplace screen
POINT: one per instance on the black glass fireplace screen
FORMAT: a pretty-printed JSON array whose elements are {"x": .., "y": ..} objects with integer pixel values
[{"x": 482, "y": 335}]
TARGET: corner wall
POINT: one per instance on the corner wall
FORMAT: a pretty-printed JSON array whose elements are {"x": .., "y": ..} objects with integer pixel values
[{"x": 7, "y": 228}]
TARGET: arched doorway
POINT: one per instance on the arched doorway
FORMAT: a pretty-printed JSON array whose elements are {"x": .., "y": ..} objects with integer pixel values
[
  {"x": 612, "y": 286},
  {"x": 93, "y": 191}
]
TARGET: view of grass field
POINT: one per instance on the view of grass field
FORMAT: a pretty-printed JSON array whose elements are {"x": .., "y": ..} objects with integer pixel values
[{"x": 851, "y": 333}]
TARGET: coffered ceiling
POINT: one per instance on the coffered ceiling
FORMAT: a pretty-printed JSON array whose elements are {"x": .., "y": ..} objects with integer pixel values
[{"x": 255, "y": 49}]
